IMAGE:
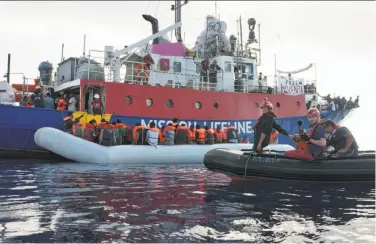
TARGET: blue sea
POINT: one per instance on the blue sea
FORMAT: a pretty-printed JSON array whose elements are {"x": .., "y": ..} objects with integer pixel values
[{"x": 71, "y": 202}]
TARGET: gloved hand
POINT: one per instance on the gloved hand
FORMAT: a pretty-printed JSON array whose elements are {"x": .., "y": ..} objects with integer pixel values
[{"x": 304, "y": 137}]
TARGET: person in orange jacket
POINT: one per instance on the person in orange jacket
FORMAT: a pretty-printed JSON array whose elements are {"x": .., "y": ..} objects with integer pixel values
[
  {"x": 200, "y": 136},
  {"x": 192, "y": 134},
  {"x": 182, "y": 135},
  {"x": 90, "y": 131},
  {"x": 219, "y": 135},
  {"x": 209, "y": 134}
]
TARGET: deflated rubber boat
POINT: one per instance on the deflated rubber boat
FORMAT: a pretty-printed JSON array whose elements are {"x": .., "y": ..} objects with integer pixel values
[
  {"x": 246, "y": 164},
  {"x": 80, "y": 150}
]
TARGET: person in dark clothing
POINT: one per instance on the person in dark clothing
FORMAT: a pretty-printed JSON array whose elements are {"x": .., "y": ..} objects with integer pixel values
[
  {"x": 69, "y": 122},
  {"x": 214, "y": 68},
  {"x": 37, "y": 98},
  {"x": 264, "y": 126},
  {"x": 341, "y": 139}
]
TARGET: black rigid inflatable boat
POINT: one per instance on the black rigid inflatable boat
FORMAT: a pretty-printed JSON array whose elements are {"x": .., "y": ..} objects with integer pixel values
[{"x": 274, "y": 165}]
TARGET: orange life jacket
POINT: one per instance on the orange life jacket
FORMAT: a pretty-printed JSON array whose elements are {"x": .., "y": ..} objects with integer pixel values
[
  {"x": 201, "y": 135},
  {"x": 28, "y": 105},
  {"x": 219, "y": 136},
  {"x": 135, "y": 129},
  {"x": 61, "y": 104},
  {"x": 302, "y": 145},
  {"x": 192, "y": 135},
  {"x": 161, "y": 137},
  {"x": 169, "y": 128},
  {"x": 273, "y": 137}
]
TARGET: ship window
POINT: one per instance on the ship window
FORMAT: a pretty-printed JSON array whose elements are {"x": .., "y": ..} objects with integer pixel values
[
  {"x": 278, "y": 105},
  {"x": 298, "y": 103},
  {"x": 228, "y": 66},
  {"x": 149, "y": 102},
  {"x": 256, "y": 105},
  {"x": 198, "y": 105},
  {"x": 128, "y": 100},
  {"x": 177, "y": 67},
  {"x": 216, "y": 105},
  {"x": 251, "y": 69},
  {"x": 169, "y": 103},
  {"x": 164, "y": 64}
]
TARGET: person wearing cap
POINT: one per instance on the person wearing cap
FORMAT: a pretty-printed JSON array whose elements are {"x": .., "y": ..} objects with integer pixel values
[
  {"x": 264, "y": 127},
  {"x": 341, "y": 139},
  {"x": 316, "y": 141},
  {"x": 96, "y": 104}
]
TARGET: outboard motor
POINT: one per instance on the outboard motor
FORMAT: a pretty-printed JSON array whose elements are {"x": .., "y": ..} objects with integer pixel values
[
  {"x": 251, "y": 26},
  {"x": 154, "y": 26}
]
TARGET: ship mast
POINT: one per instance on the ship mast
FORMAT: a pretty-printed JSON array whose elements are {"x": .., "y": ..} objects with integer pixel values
[{"x": 177, "y": 8}]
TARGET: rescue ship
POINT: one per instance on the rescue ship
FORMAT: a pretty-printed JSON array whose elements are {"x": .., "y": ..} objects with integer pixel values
[{"x": 158, "y": 80}]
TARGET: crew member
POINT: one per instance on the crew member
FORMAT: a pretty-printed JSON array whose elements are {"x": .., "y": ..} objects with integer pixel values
[
  {"x": 274, "y": 137},
  {"x": 169, "y": 134},
  {"x": 232, "y": 134},
  {"x": 316, "y": 141},
  {"x": 152, "y": 135},
  {"x": 209, "y": 135},
  {"x": 341, "y": 139},
  {"x": 61, "y": 102},
  {"x": 96, "y": 104},
  {"x": 192, "y": 134},
  {"x": 264, "y": 126},
  {"x": 219, "y": 135},
  {"x": 107, "y": 135},
  {"x": 37, "y": 98},
  {"x": 90, "y": 131},
  {"x": 214, "y": 68},
  {"x": 182, "y": 135},
  {"x": 138, "y": 134},
  {"x": 200, "y": 136}
]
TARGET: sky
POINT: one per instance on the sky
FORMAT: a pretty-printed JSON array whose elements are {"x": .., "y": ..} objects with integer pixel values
[{"x": 339, "y": 37}]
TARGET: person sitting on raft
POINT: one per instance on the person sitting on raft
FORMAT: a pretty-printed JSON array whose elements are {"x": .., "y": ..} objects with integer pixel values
[
  {"x": 152, "y": 135},
  {"x": 315, "y": 140},
  {"x": 69, "y": 123},
  {"x": 264, "y": 127},
  {"x": 341, "y": 139}
]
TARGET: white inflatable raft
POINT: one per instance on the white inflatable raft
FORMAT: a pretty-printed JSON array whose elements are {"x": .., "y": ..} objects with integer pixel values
[{"x": 80, "y": 150}]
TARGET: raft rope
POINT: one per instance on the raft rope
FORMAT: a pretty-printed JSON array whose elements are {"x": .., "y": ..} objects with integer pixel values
[{"x": 246, "y": 165}]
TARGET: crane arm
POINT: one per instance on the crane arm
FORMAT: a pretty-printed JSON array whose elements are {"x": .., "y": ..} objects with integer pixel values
[{"x": 146, "y": 40}]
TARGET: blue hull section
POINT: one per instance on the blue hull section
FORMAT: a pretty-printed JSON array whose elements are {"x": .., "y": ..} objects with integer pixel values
[{"x": 18, "y": 124}]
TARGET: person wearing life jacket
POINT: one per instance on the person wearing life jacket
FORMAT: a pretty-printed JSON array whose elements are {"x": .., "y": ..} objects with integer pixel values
[
  {"x": 192, "y": 134},
  {"x": 200, "y": 135},
  {"x": 69, "y": 123},
  {"x": 161, "y": 136},
  {"x": 28, "y": 103},
  {"x": 152, "y": 135},
  {"x": 302, "y": 145},
  {"x": 138, "y": 134},
  {"x": 274, "y": 137},
  {"x": 341, "y": 139},
  {"x": 96, "y": 105},
  {"x": 232, "y": 134},
  {"x": 264, "y": 127},
  {"x": 169, "y": 134},
  {"x": 78, "y": 130},
  {"x": 37, "y": 98},
  {"x": 61, "y": 103},
  {"x": 316, "y": 141},
  {"x": 129, "y": 134},
  {"x": 209, "y": 134},
  {"x": 90, "y": 132},
  {"x": 121, "y": 134},
  {"x": 175, "y": 123},
  {"x": 107, "y": 135},
  {"x": 219, "y": 135},
  {"x": 99, "y": 128},
  {"x": 182, "y": 135}
]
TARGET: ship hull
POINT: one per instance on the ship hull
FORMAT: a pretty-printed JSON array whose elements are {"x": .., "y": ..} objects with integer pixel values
[{"x": 19, "y": 124}]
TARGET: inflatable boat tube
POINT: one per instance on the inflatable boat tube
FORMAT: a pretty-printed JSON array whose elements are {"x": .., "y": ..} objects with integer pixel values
[
  {"x": 80, "y": 150},
  {"x": 249, "y": 165}
]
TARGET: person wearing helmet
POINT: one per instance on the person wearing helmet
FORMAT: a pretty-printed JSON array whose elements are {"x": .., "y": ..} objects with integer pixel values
[
  {"x": 264, "y": 127},
  {"x": 96, "y": 104},
  {"x": 341, "y": 139},
  {"x": 316, "y": 141}
]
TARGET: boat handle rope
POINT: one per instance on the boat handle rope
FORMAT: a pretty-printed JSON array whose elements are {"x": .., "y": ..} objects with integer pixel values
[{"x": 246, "y": 165}]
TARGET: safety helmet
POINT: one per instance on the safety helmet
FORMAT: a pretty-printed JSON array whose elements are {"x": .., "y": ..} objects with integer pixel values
[
  {"x": 96, "y": 95},
  {"x": 313, "y": 112},
  {"x": 267, "y": 104}
]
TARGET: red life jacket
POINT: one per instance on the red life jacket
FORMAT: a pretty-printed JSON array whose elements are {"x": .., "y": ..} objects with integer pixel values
[
  {"x": 97, "y": 104},
  {"x": 314, "y": 128}
]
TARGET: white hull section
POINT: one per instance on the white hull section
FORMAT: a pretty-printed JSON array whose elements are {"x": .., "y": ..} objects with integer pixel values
[{"x": 80, "y": 150}]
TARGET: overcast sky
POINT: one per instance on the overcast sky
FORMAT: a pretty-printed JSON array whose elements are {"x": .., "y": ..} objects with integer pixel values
[{"x": 338, "y": 36}]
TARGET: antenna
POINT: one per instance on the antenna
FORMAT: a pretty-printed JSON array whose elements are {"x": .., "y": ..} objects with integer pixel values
[
  {"x": 241, "y": 35},
  {"x": 84, "y": 44},
  {"x": 62, "y": 52},
  {"x": 215, "y": 6}
]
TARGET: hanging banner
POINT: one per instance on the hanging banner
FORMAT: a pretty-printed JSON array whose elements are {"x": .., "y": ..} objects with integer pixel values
[{"x": 291, "y": 89}]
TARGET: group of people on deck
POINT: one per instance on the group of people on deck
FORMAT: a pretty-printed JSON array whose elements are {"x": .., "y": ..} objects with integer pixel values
[
  {"x": 117, "y": 133},
  {"x": 308, "y": 146}
]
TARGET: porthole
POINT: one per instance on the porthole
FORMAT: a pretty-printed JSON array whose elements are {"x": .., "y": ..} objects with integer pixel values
[
  {"x": 149, "y": 102},
  {"x": 256, "y": 105},
  {"x": 298, "y": 103},
  {"x": 278, "y": 105},
  {"x": 169, "y": 103},
  {"x": 128, "y": 100},
  {"x": 198, "y": 105},
  {"x": 216, "y": 105}
]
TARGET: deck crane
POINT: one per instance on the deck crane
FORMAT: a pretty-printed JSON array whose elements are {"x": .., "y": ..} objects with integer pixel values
[{"x": 112, "y": 58}]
